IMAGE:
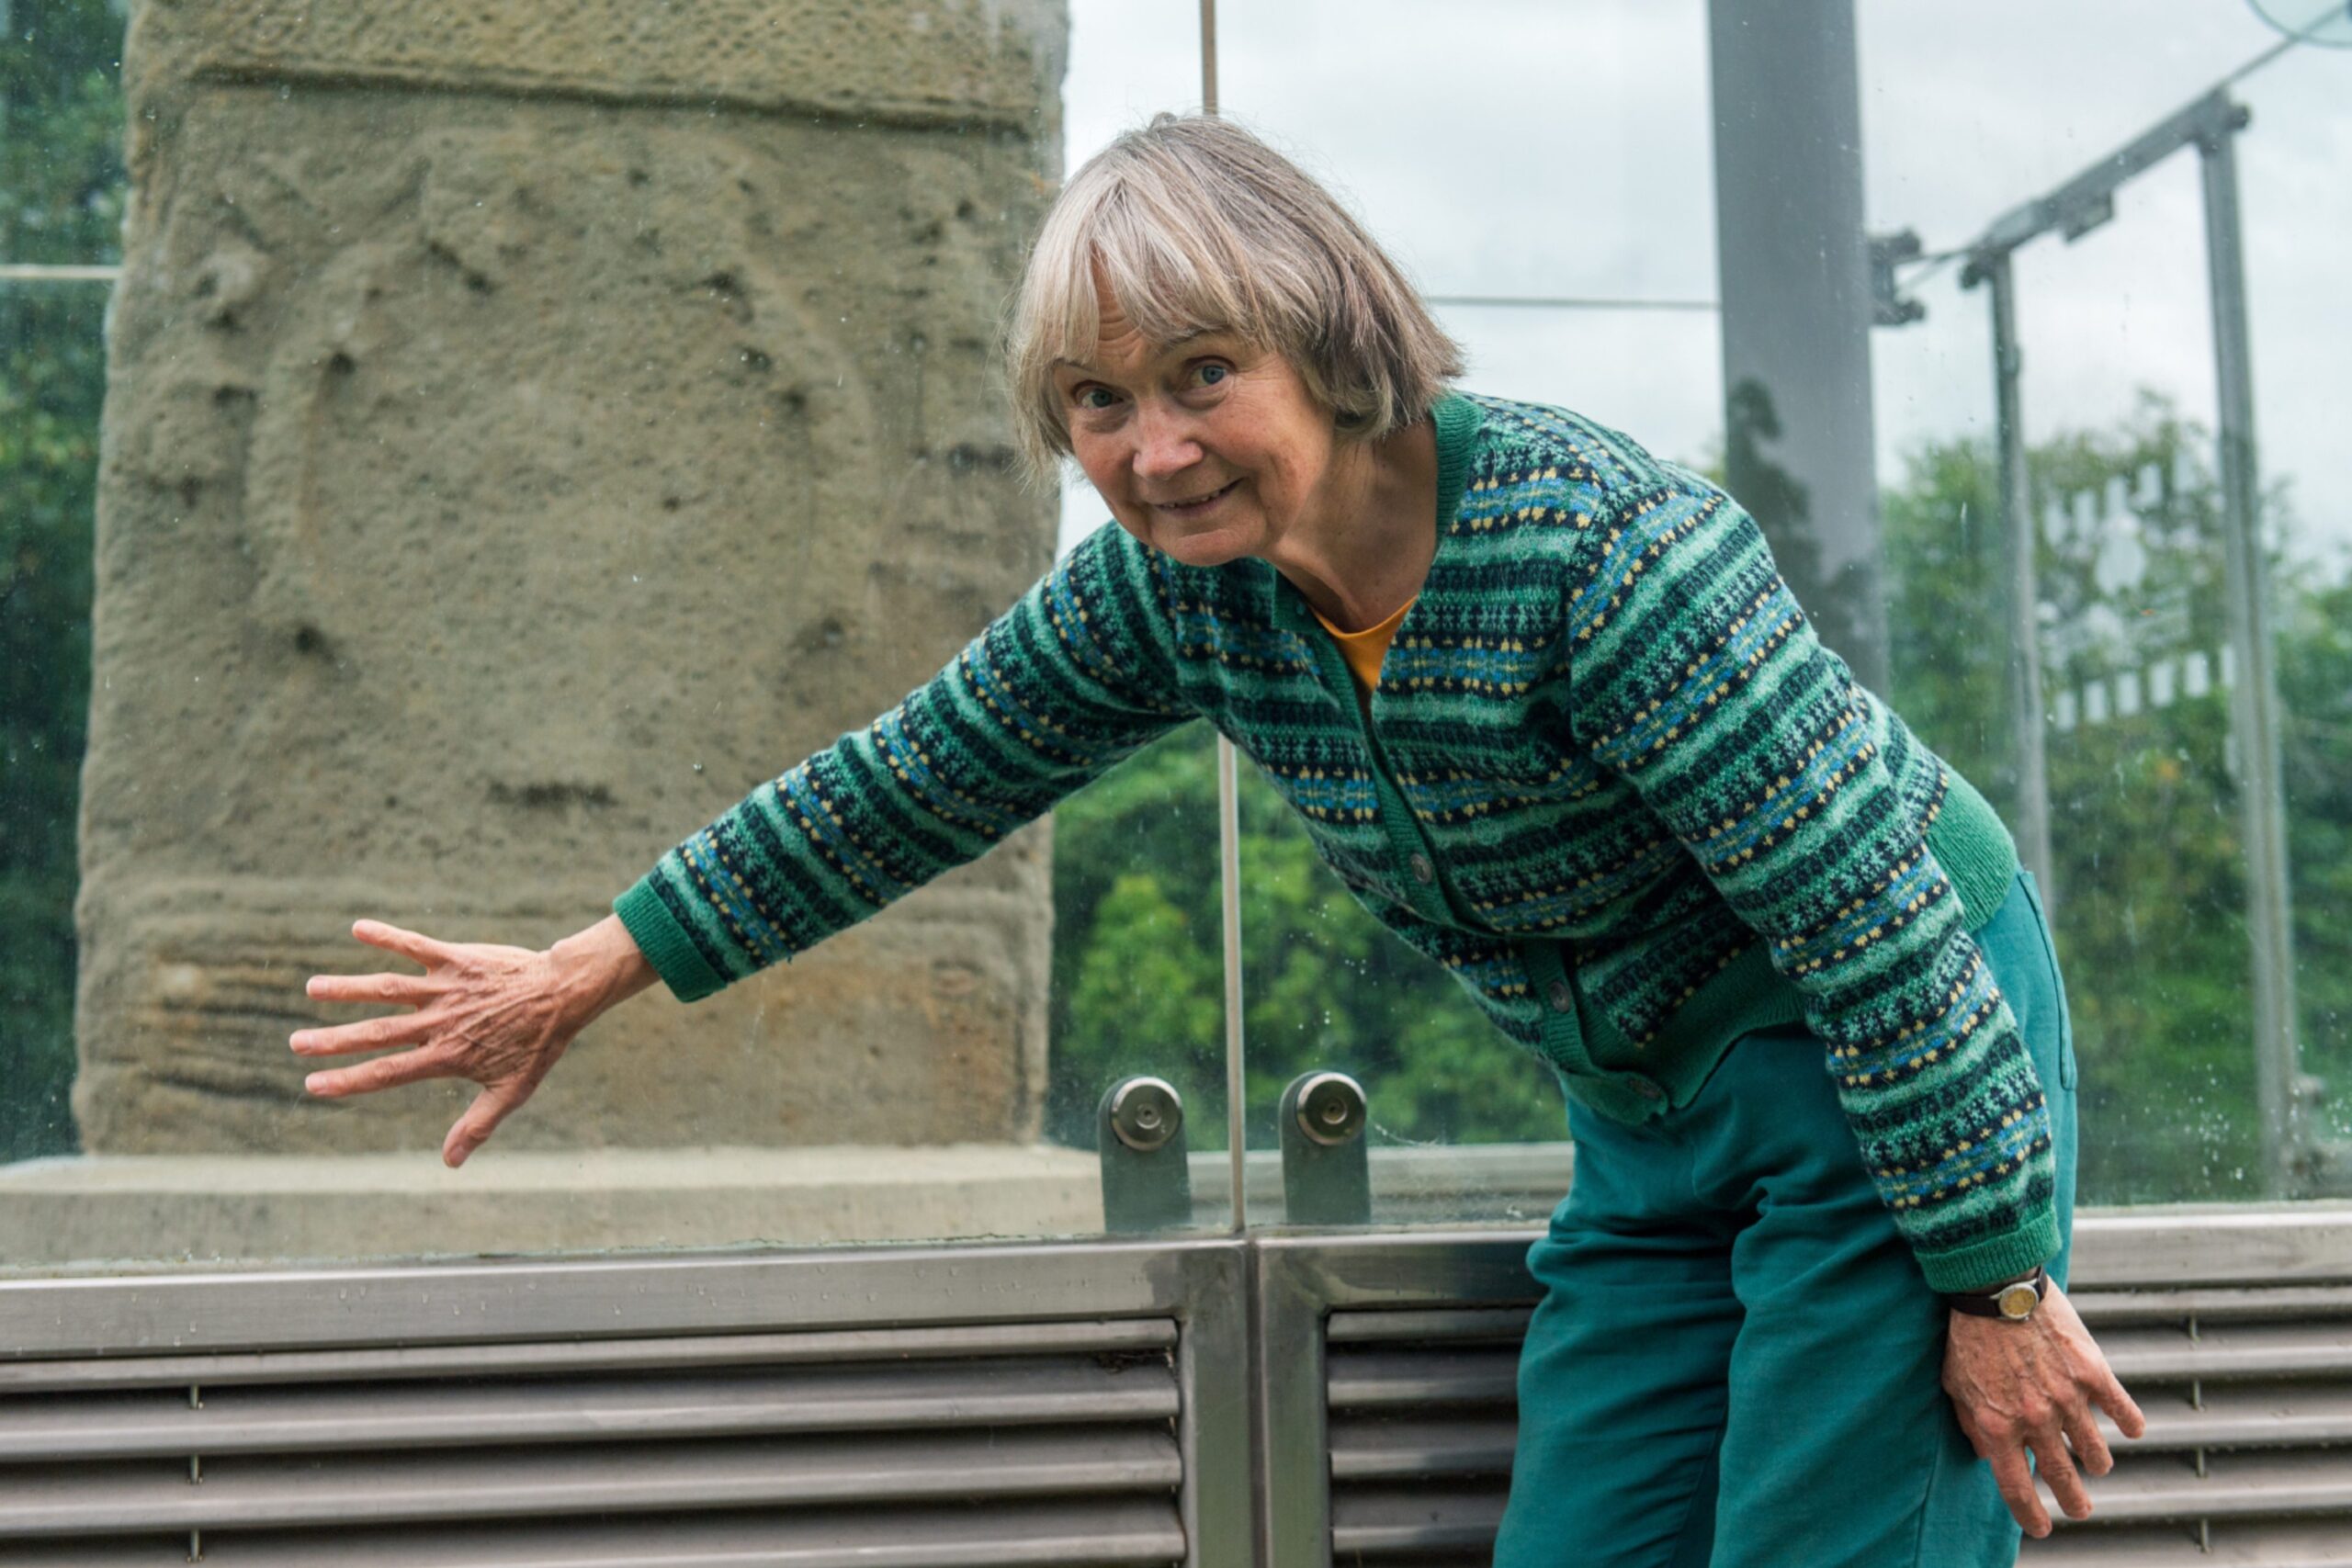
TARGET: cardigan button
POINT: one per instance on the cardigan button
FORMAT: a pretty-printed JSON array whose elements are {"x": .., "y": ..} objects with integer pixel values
[
  {"x": 1424, "y": 871},
  {"x": 1561, "y": 999}
]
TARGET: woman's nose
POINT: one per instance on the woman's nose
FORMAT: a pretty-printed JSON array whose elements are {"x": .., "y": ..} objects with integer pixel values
[{"x": 1164, "y": 446}]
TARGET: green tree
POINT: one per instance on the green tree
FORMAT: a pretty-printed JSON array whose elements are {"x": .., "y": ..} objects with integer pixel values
[
  {"x": 2316, "y": 695},
  {"x": 61, "y": 201},
  {"x": 1138, "y": 979},
  {"x": 2149, "y": 873}
]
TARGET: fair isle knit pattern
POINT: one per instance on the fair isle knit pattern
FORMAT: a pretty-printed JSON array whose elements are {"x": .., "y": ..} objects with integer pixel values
[{"x": 1609, "y": 779}]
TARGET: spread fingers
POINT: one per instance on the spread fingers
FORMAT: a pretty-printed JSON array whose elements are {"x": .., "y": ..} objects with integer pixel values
[
  {"x": 407, "y": 943},
  {"x": 404, "y": 989},
  {"x": 2018, "y": 1490},
  {"x": 369, "y": 1034},
  {"x": 384, "y": 1072},
  {"x": 2058, "y": 1473},
  {"x": 2091, "y": 1451}
]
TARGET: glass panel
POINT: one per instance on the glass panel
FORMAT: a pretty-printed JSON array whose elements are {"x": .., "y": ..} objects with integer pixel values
[
  {"x": 2147, "y": 884},
  {"x": 1601, "y": 303},
  {"x": 2151, "y": 877},
  {"x": 513, "y": 466},
  {"x": 2152, "y": 881},
  {"x": 503, "y": 481}
]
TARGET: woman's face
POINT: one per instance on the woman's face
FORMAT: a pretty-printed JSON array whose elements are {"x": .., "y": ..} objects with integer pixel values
[{"x": 1208, "y": 449}]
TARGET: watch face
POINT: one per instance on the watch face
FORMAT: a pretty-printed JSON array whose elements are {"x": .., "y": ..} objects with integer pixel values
[{"x": 2018, "y": 1302}]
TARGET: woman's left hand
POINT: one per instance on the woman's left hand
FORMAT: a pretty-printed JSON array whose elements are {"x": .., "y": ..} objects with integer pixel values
[{"x": 2032, "y": 1385}]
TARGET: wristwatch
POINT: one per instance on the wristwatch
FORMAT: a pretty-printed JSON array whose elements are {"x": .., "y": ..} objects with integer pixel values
[{"x": 2012, "y": 1303}]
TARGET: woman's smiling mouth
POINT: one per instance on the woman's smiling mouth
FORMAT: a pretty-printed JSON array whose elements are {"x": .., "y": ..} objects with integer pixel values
[{"x": 1198, "y": 503}]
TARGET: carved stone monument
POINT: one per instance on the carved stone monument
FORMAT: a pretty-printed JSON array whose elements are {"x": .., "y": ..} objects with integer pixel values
[{"x": 531, "y": 425}]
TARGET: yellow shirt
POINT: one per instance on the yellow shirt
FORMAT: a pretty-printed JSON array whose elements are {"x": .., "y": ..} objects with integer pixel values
[{"x": 1363, "y": 650}]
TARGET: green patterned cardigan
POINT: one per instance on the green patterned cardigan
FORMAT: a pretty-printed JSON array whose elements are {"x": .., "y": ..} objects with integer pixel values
[{"x": 1608, "y": 778}]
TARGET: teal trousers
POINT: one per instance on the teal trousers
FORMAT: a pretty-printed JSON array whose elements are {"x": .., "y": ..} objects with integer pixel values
[{"x": 1735, "y": 1360}]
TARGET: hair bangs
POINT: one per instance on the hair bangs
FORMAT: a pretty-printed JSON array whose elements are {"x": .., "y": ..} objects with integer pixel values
[{"x": 1195, "y": 225}]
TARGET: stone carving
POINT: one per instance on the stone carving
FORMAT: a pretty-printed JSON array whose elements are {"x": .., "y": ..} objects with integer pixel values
[
  {"x": 528, "y": 428},
  {"x": 960, "y": 63}
]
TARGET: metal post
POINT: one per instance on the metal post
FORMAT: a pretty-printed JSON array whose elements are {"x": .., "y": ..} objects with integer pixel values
[
  {"x": 1228, "y": 834},
  {"x": 2027, "y": 728},
  {"x": 1794, "y": 268},
  {"x": 1228, "y": 823},
  {"x": 2254, "y": 701},
  {"x": 1208, "y": 56}
]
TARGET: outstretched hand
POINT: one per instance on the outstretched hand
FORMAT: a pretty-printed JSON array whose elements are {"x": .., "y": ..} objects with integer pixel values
[
  {"x": 2017, "y": 1386},
  {"x": 500, "y": 1016}
]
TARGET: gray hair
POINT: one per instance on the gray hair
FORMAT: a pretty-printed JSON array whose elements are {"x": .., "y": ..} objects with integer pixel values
[{"x": 1198, "y": 225}]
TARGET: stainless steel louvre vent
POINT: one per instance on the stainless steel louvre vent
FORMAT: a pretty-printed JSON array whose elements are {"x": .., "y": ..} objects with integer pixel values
[
  {"x": 2247, "y": 1462},
  {"x": 1422, "y": 1411},
  {"x": 1005, "y": 1445},
  {"x": 2248, "y": 1454},
  {"x": 1285, "y": 1400}
]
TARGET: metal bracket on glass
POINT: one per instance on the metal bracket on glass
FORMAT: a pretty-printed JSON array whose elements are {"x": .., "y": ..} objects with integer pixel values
[
  {"x": 1890, "y": 307},
  {"x": 1327, "y": 1179},
  {"x": 1147, "y": 1182}
]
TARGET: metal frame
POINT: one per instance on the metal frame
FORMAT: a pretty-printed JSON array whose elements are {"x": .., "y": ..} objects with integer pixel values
[{"x": 1302, "y": 1279}]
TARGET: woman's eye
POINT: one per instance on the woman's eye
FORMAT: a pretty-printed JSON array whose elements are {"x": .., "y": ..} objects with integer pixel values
[
  {"x": 1211, "y": 374},
  {"x": 1094, "y": 398}
]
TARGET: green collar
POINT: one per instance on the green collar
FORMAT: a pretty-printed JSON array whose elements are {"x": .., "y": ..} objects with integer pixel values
[{"x": 1456, "y": 418}]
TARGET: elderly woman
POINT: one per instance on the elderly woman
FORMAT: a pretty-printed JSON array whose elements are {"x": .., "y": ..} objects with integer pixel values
[{"x": 1548, "y": 710}]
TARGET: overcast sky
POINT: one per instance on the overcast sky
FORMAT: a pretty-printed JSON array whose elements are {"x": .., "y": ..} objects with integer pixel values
[{"x": 1562, "y": 147}]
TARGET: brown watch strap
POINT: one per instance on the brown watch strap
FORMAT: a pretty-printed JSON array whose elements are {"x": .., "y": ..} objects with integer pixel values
[{"x": 1987, "y": 1303}]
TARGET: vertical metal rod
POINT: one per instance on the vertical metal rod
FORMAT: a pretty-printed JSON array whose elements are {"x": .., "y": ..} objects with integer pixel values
[
  {"x": 2254, "y": 701},
  {"x": 1228, "y": 833},
  {"x": 1229, "y": 824},
  {"x": 1208, "y": 56},
  {"x": 2029, "y": 730}
]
